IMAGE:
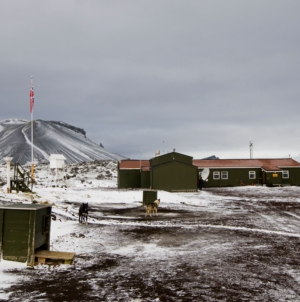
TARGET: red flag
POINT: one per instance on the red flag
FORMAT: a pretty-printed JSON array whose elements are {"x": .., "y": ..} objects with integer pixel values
[{"x": 31, "y": 97}]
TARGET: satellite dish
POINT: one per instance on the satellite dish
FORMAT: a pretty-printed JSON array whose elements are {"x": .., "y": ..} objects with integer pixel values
[{"x": 204, "y": 174}]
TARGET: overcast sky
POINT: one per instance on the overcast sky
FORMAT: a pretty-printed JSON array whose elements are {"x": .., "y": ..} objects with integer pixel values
[{"x": 203, "y": 77}]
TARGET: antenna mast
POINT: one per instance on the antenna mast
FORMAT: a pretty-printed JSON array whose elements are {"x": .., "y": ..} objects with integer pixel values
[{"x": 251, "y": 149}]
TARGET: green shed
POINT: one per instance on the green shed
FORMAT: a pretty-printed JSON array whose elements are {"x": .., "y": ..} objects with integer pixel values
[
  {"x": 173, "y": 172},
  {"x": 24, "y": 229}
]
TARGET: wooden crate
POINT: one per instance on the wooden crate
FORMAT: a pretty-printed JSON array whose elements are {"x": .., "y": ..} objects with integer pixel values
[
  {"x": 50, "y": 257},
  {"x": 149, "y": 196}
]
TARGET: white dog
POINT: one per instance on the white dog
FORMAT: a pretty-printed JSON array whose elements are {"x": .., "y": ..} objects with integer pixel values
[{"x": 151, "y": 208}]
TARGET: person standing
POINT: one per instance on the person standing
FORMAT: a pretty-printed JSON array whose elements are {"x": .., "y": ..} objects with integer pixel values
[{"x": 200, "y": 183}]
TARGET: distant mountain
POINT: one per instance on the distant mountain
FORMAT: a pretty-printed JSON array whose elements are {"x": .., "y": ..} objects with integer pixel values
[
  {"x": 211, "y": 157},
  {"x": 49, "y": 137}
]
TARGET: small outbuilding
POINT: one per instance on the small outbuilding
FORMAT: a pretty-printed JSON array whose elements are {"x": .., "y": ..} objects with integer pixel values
[
  {"x": 24, "y": 229},
  {"x": 173, "y": 172},
  {"x": 57, "y": 161}
]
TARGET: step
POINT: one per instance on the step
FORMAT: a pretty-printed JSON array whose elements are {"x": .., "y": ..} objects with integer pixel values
[{"x": 50, "y": 257}]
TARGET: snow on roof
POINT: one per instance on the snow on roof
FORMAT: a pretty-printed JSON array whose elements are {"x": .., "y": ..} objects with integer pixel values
[{"x": 56, "y": 156}]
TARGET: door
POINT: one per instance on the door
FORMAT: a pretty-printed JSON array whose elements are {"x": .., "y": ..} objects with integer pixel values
[{"x": 264, "y": 178}]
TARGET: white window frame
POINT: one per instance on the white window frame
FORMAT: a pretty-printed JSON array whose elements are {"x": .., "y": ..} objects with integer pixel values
[
  {"x": 252, "y": 175},
  {"x": 285, "y": 174},
  {"x": 224, "y": 174},
  {"x": 216, "y": 175}
]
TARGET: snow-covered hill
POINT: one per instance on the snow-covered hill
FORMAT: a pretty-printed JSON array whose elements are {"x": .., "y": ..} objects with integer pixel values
[{"x": 50, "y": 137}]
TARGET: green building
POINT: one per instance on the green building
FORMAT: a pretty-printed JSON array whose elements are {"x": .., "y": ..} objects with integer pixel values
[
  {"x": 236, "y": 172},
  {"x": 177, "y": 172}
]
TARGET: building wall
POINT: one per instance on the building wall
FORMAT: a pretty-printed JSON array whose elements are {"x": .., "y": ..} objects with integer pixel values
[
  {"x": 174, "y": 176},
  {"x": 237, "y": 176},
  {"x": 294, "y": 176},
  {"x": 15, "y": 233},
  {"x": 130, "y": 178},
  {"x": 273, "y": 178},
  {"x": 145, "y": 180}
]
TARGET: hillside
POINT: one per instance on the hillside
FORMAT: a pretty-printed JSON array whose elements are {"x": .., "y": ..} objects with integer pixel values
[{"x": 50, "y": 137}]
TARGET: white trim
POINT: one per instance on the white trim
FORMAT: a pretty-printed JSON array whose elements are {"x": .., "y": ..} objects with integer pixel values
[
  {"x": 226, "y": 175},
  {"x": 216, "y": 172},
  {"x": 288, "y": 174},
  {"x": 253, "y": 172},
  {"x": 272, "y": 171}
]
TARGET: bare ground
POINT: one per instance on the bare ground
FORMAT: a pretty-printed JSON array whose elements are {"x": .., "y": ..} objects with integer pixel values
[{"x": 246, "y": 249}]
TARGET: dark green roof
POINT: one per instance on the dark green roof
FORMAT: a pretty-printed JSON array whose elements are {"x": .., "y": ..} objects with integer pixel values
[{"x": 19, "y": 206}]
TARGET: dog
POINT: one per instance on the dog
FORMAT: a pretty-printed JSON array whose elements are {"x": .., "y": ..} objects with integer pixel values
[
  {"x": 152, "y": 208},
  {"x": 83, "y": 213}
]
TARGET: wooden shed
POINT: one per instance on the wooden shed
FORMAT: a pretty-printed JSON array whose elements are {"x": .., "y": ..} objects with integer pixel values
[
  {"x": 24, "y": 229},
  {"x": 173, "y": 172}
]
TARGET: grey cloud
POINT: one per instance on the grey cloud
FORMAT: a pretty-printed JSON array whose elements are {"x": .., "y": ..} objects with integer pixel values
[{"x": 202, "y": 76}]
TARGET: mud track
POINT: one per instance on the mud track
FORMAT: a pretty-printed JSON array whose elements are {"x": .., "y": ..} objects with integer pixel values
[{"x": 246, "y": 249}]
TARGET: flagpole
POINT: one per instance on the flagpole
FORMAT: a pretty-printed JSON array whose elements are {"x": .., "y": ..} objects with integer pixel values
[{"x": 32, "y": 164}]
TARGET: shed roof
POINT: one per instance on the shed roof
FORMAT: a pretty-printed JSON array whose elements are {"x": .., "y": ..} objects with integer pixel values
[
  {"x": 133, "y": 164},
  {"x": 56, "y": 156},
  {"x": 30, "y": 207}
]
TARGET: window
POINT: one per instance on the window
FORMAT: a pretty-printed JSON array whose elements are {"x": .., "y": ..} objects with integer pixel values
[
  {"x": 252, "y": 175},
  {"x": 285, "y": 174},
  {"x": 216, "y": 175},
  {"x": 224, "y": 174}
]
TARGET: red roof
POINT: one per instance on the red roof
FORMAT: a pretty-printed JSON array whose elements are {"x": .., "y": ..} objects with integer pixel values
[
  {"x": 133, "y": 164},
  {"x": 266, "y": 164}
]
